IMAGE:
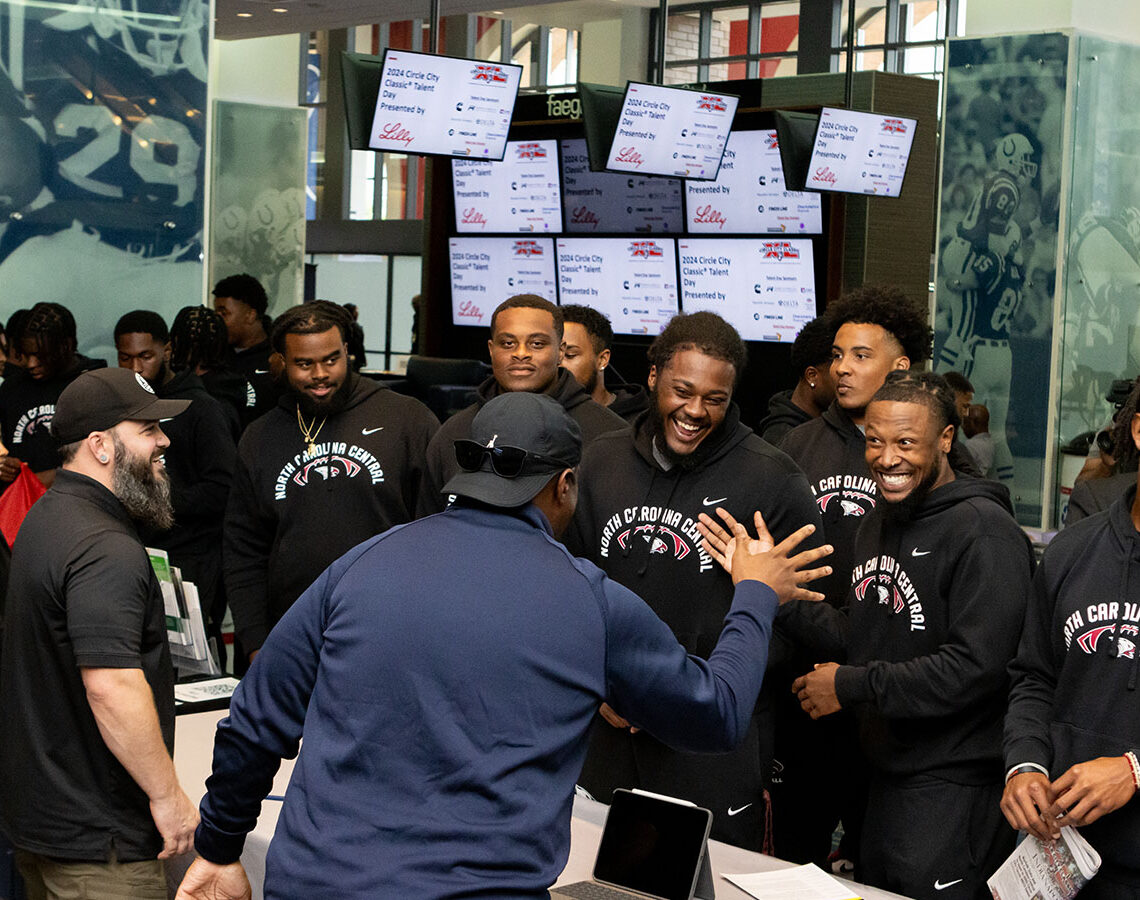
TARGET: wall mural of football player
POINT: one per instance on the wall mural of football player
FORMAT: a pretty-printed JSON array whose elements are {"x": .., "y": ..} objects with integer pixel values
[
  {"x": 102, "y": 124},
  {"x": 1005, "y": 99}
]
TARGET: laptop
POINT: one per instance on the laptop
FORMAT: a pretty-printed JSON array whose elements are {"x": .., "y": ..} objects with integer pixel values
[{"x": 652, "y": 846}]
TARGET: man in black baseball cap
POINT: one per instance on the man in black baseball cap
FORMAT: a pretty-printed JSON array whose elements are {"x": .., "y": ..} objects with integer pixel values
[
  {"x": 88, "y": 791},
  {"x": 444, "y": 675}
]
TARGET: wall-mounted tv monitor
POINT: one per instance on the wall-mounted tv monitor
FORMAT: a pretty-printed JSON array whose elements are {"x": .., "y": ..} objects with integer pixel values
[
  {"x": 860, "y": 153},
  {"x": 606, "y": 201},
  {"x": 796, "y": 133},
  {"x": 764, "y": 286},
  {"x": 671, "y": 131},
  {"x": 632, "y": 280},
  {"x": 486, "y": 271},
  {"x": 442, "y": 105},
  {"x": 748, "y": 196},
  {"x": 518, "y": 194}
]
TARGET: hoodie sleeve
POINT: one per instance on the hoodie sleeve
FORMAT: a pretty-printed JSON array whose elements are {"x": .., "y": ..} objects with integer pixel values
[
  {"x": 214, "y": 452},
  {"x": 248, "y": 534},
  {"x": 1033, "y": 676},
  {"x": 420, "y": 427},
  {"x": 984, "y": 628}
]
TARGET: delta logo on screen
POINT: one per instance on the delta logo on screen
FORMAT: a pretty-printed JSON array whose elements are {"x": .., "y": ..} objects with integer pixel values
[
  {"x": 712, "y": 103},
  {"x": 488, "y": 74},
  {"x": 531, "y": 151},
  {"x": 528, "y": 248},
  {"x": 894, "y": 126},
  {"x": 779, "y": 250},
  {"x": 644, "y": 249},
  {"x": 773, "y": 141}
]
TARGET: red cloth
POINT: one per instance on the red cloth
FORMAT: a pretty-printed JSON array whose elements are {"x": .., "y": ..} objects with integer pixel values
[{"x": 15, "y": 502}]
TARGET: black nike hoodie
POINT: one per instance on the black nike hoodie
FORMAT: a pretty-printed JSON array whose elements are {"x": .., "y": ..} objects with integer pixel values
[
  {"x": 783, "y": 416},
  {"x": 934, "y": 615},
  {"x": 292, "y": 513},
  {"x": 1076, "y": 678},
  {"x": 593, "y": 418}
]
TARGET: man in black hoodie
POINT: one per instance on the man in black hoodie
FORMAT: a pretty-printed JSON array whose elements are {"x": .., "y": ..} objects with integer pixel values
[
  {"x": 934, "y": 614},
  {"x": 337, "y": 461},
  {"x": 813, "y": 393},
  {"x": 525, "y": 349},
  {"x": 27, "y": 401},
  {"x": 640, "y": 494},
  {"x": 199, "y": 462},
  {"x": 1072, "y": 731},
  {"x": 241, "y": 301},
  {"x": 587, "y": 342}
]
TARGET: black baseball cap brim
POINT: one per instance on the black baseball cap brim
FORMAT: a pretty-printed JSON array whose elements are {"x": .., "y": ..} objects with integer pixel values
[{"x": 102, "y": 398}]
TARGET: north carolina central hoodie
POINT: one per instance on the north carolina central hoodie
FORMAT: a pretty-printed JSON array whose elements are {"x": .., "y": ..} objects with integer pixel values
[
  {"x": 291, "y": 513},
  {"x": 934, "y": 614},
  {"x": 1076, "y": 690},
  {"x": 591, "y": 417}
]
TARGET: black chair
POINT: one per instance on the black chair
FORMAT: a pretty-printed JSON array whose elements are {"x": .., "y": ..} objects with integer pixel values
[{"x": 444, "y": 385}]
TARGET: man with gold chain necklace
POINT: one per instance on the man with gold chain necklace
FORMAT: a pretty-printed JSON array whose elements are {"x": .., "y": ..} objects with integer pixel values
[{"x": 337, "y": 461}]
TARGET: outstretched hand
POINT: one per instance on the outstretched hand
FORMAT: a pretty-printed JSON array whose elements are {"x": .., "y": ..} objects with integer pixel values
[
  {"x": 720, "y": 541},
  {"x": 205, "y": 880},
  {"x": 777, "y": 567}
]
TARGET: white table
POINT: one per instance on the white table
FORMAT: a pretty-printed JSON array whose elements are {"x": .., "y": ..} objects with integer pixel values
[{"x": 193, "y": 752}]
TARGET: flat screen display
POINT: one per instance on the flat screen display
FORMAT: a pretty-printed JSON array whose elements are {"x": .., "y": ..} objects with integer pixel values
[
  {"x": 632, "y": 280},
  {"x": 748, "y": 196},
  {"x": 764, "y": 287},
  {"x": 486, "y": 271},
  {"x": 606, "y": 201},
  {"x": 651, "y": 845},
  {"x": 518, "y": 194},
  {"x": 671, "y": 131},
  {"x": 860, "y": 153},
  {"x": 444, "y": 105}
]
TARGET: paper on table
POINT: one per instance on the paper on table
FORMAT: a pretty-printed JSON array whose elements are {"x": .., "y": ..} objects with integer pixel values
[{"x": 807, "y": 882}]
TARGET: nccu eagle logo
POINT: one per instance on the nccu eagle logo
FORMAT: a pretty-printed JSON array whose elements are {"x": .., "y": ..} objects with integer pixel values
[
  {"x": 1125, "y": 649},
  {"x": 885, "y": 594},
  {"x": 327, "y": 467},
  {"x": 661, "y": 540},
  {"x": 847, "y": 502}
]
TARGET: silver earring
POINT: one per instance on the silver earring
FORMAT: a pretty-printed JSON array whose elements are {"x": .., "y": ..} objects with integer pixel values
[
  {"x": 811, "y": 384},
  {"x": 102, "y": 457}
]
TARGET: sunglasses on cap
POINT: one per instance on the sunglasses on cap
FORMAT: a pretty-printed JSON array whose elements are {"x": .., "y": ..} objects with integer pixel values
[{"x": 506, "y": 462}]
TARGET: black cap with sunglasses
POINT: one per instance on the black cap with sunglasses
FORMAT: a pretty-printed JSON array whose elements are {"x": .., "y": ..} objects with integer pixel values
[{"x": 519, "y": 441}]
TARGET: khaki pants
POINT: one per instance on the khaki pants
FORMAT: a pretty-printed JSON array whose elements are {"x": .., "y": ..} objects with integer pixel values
[{"x": 53, "y": 879}]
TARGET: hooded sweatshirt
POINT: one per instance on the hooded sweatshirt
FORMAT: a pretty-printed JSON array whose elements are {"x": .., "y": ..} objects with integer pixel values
[
  {"x": 934, "y": 615},
  {"x": 630, "y": 400},
  {"x": 591, "y": 417},
  {"x": 783, "y": 416},
  {"x": 637, "y": 521},
  {"x": 291, "y": 513},
  {"x": 27, "y": 406},
  {"x": 1076, "y": 685}
]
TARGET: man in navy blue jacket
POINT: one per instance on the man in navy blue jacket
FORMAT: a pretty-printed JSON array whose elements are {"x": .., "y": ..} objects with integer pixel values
[{"x": 444, "y": 707}]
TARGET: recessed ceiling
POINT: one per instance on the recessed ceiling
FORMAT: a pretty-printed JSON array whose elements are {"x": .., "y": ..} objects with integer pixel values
[{"x": 319, "y": 15}]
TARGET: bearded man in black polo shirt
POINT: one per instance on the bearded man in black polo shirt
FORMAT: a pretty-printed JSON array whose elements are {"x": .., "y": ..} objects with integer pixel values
[{"x": 88, "y": 792}]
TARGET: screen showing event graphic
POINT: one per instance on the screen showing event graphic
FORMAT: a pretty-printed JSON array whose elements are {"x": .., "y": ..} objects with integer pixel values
[
  {"x": 748, "y": 196},
  {"x": 443, "y": 105},
  {"x": 518, "y": 194},
  {"x": 632, "y": 280},
  {"x": 860, "y": 153},
  {"x": 607, "y": 201},
  {"x": 486, "y": 271},
  {"x": 671, "y": 131},
  {"x": 765, "y": 287}
]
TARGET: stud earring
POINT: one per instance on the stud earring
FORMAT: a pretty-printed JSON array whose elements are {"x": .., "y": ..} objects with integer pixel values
[
  {"x": 811, "y": 384},
  {"x": 102, "y": 457}
]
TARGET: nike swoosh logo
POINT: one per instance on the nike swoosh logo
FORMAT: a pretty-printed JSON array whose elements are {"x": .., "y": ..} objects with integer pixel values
[
  {"x": 260, "y": 371},
  {"x": 939, "y": 886},
  {"x": 917, "y": 552},
  {"x": 367, "y": 431},
  {"x": 709, "y": 502},
  {"x": 733, "y": 812}
]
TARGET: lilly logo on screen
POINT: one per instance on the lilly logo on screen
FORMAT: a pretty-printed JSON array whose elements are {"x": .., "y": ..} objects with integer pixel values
[
  {"x": 773, "y": 141},
  {"x": 528, "y": 248},
  {"x": 488, "y": 73},
  {"x": 531, "y": 151},
  {"x": 643, "y": 249},
  {"x": 712, "y": 103},
  {"x": 894, "y": 126},
  {"x": 778, "y": 250}
]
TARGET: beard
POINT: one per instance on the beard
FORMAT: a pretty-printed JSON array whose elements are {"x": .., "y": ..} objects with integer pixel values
[
  {"x": 330, "y": 406},
  {"x": 904, "y": 510},
  {"x": 144, "y": 494},
  {"x": 592, "y": 383},
  {"x": 683, "y": 461}
]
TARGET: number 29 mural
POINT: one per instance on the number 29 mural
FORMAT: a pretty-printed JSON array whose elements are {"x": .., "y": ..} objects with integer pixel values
[{"x": 102, "y": 125}]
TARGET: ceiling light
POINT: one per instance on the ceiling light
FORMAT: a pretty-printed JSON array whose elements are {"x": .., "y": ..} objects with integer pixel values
[
  {"x": 245, "y": 15},
  {"x": 280, "y": 9}
]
